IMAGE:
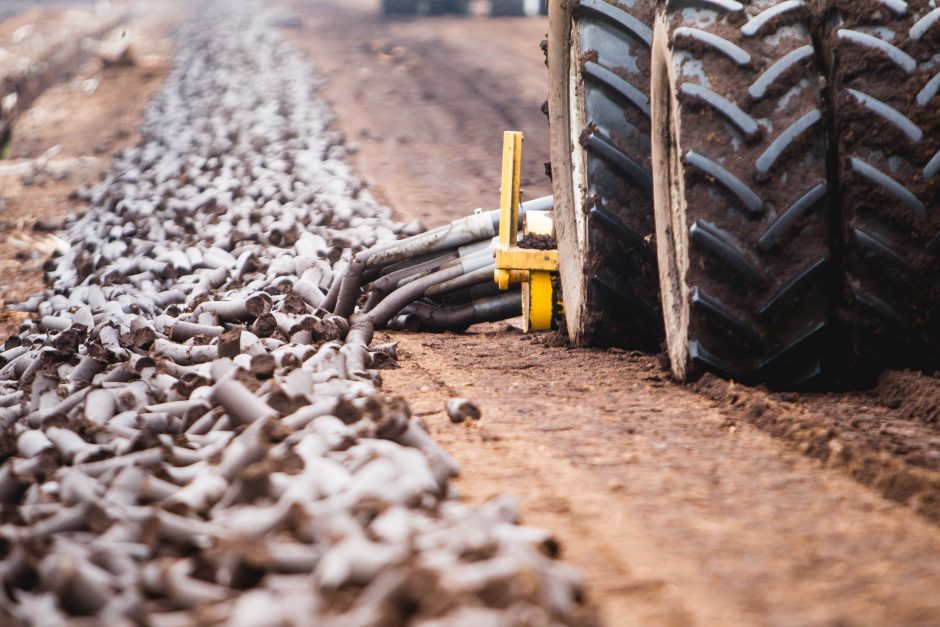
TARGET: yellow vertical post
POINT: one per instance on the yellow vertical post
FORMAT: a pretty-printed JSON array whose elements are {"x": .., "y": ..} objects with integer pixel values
[
  {"x": 509, "y": 192},
  {"x": 534, "y": 269}
]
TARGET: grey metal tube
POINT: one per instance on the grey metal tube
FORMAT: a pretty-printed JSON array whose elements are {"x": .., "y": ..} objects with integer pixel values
[
  {"x": 360, "y": 332},
  {"x": 350, "y": 289},
  {"x": 407, "y": 263},
  {"x": 385, "y": 310},
  {"x": 479, "y": 275},
  {"x": 472, "y": 229},
  {"x": 545, "y": 203},
  {"x": 405, "y": 322},
  {"x": 475, "y": 227},
  {"x": 477, "y": 257},
  {"x": 385, "y": 285},
  {"x": 459, "y": 232},
  {"x": 333, "y": 293},
  {"x": 491, "y": 309},
  {"x": 469, "y": 293}
]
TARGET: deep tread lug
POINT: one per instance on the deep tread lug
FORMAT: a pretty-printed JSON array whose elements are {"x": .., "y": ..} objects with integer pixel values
[
  {"x": 606, "y": 149},
  {"x": 723, "y": 316},
  {"x": 605, "y": 220},
  {"x": 793, "y": 287},
  {"x": 743, "y": 219},
  {"x": 884, "y": 83},
  {"x": 875, "y": 245},
  {"x": 719, "y": 244},
  {"x": 791, "y": 216}
]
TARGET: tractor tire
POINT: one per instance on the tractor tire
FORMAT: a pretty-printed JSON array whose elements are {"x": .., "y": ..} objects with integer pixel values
[
  {"x": 742, "y": 192},
  {"x": 886, "y": 90},
  {"x": 599, "y": 117},
  {"x": 400, "y": 7}
]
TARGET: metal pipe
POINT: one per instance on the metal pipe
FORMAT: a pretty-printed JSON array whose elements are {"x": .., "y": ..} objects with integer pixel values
[
  {"x": 397, "y": 300},
  {"x": 480, "y": 225},
  {"x": 350, "y": 289},
  {"x": 386, "y": 284},
  {"x": 466, "y": 294},
  {"x": 480, "y": 275},
  {"x": 329, "y": 303},
  {"x": 490, "y": 309}
]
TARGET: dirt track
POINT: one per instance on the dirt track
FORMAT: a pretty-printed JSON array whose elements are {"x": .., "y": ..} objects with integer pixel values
[
  {"x": 676, "y": 502},
  {"x": 427, "y": 102},
  {"x": 709, "y": 504}
]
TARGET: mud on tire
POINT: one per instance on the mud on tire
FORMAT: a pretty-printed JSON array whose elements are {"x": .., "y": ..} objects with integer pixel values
[
  {"x": 883, "y": 59},
  {"x": 599, "y": 59},
  {"x": 741, "y": 191}
]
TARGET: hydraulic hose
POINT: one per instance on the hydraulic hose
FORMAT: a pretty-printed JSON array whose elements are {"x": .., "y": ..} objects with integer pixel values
[
  {"x": 401, "y": 297},
  {"x": 479, "y": 226},
  {"x": 482, "y": 225},
  {"x": 385, "y": 285},
  {"x": 474, "y": 277},
  {"x": 489, "y": 309},
  {"x": 329, "y": 303},
  {"x": 469, "y": 293}
]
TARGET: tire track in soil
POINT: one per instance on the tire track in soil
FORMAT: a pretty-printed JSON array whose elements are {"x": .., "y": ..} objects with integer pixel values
[
  {"x": 676, "y": 511},
  {"x": 887, "y": 438}
]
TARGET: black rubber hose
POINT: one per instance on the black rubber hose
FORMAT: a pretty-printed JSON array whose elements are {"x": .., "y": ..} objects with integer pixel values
[
  {"x": 407, "y": 263},
  {"x": 333, "y": 293},
  {"x": 360, "y": 331},
  {"x": 385, "y": 285},
  {"x": 406, "y": 294},
  {"x": 469, "y": 293},
  {"x": 490, "y": 309},
  {"x": 350, "y": 289}
]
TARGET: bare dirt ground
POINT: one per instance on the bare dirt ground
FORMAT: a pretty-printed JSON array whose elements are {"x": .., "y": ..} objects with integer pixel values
[
  {"x": 78, "y": 124},
  {"x": 704, "y": 504},
  {"x": 427, "y": 102}
]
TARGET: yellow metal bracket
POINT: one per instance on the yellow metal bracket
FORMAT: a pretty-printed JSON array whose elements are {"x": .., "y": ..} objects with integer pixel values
[{"x": 534, "y": 269}]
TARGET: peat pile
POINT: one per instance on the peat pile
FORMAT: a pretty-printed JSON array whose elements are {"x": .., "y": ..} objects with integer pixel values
[{"x": 189, "y": 436}]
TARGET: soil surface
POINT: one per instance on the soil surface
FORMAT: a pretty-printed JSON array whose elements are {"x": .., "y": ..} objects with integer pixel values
[
  {"x": 427, "y": 100},
  {"x": 705, "y": 504}
]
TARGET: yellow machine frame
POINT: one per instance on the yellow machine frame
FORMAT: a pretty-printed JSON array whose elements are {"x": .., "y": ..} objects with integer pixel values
[{"x": 534, "y": 269}]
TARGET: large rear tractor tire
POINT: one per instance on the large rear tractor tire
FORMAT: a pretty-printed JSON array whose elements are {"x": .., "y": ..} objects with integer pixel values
[
  {"x": 740, "y": 178},
  {"x": 886, "y": 88},
  {"x": 599, "y": 114}
]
